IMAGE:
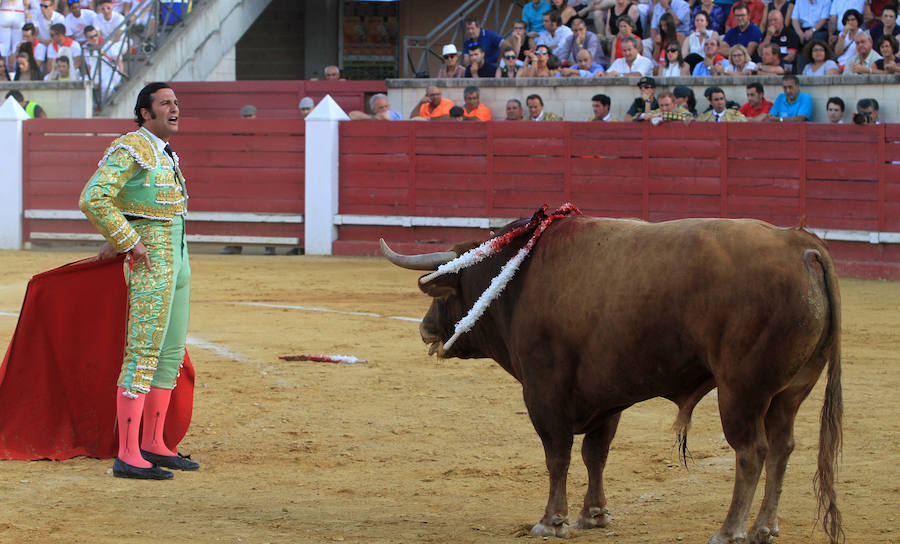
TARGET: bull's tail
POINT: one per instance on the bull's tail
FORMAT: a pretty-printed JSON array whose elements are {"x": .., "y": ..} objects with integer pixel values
[{"x": 830, "y": 426}]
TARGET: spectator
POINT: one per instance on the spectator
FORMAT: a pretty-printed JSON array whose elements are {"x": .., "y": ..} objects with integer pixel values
[
  {"x": 509, "y": 65},
  {"x": 13, "y": 17},
  {"x": 786, "y": 7},
  {"x": 887, "y": 26},
  {"x": 26, "y": 68},
  {"x": 600, "y": 104},
  {"x": 680, "y": 12},
  {"x": 626, "y": 29},
  {"x": 456, "y": 114},
  {"x": 793, "y": 105},
  {"x": 533, "y": 15},
  {"x": 810, "y": 19},
  {"x": 717, "y": 14},
  {"x": 248, "y": 112},
  {"x": 836, "y": 14},
  {"x": 332, "y": 73},
  {"x": 622, "y": 8},
  {"x": 758, "y": 11},
  {"x": 693, "y": 43},
  {"x": 713, "y": 62},
  {"x": 553, "y": 65},
  {"x": 488, "y": 40},
  {"x": 306, "y": 106},
  {"x": 863, "y": 61},
  {"x": 644, "y": 103},
  {"x": 536, "y": 65},
  {"x": 31, "y": 108},
  {"x": 478, "y": 66},
  {"x": 451, "y": 67},
  {"x": 719, "y": 111},
  {"x": 745, "y": 33},
  {"x": 100, "y": 62},
  {"x": 513, "y": 110},
  {"x": 46, "y": 17},
  {"x": 432, "y": 105},
  {"x": 889, "y": 63},
  {"x": 834, "y": 109},
  {"x": 771, "y": 60},
  {"x": 536, "y": 110},
  {"x": 584, "y": 67},
  {"x": 866, "y": 112},
  {"x": 674, "y": 64},
  {"x": 581, "y": 39},
  {"x": 668, "y": 111},
  {"x": 685, "y": 99},
  {"x": 518, "y": 41},
  {"x": 757, "y": 107},
  {"x": 739, "y": 62},
  {"x": 77, "y": 19},
  {"x": 29, "y": 40},
  {"x": 786, "y": 39},
  {"x": 62, "y": 45},
  {"x": 554, "y": 33},
  {"x": 474, "y": 110},
  {"x": 665, "y": 34},
  {"x": 820, "y": 63},
  {"x": 380, "y": 106},
  {"x": 62, "y": 70},
  {"x": 845, "y": 42},
  {"x": 566, "y": 12},
  {"x": 107, "y": 20},
  {"x": 632, "y": 63}
]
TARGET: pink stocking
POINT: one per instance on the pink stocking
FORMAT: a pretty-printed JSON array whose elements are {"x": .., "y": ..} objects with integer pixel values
[
  {"x": 155, "y": 409},
  {"x": 129, "y": 421}
]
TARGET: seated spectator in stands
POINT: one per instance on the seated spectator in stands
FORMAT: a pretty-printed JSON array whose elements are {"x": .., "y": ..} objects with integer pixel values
[
  {"x": 4, "y": 73},
  {"x": 332, "y": 73},
  {"x": 584, "y": 67},
  {"x": 719, "y": 112},
  {"x": 834, "y": 109},
  {"x": 29, "y": 41},
  {"x": 713, "y": 64},
  {"x": 863, "y": 62},
  {"x": 536, "y": 110},
  {"x": 836, "y": 15},
  {"x": 45, "y": 18},
  {"x": 866, "y": 112},
  {"x": 600, "y": 104},
  {"x": 771, "y": 60},
  {"x": 518, "y": 41},
  {"x": 101, "y": 63},
  {"x": 668, "y": 111},
  {"x": 478, "y": 66},
  {"x": 617, "y": 9},
  {"x": 693, "y": 42},
  {"x": 889, "y": 62},
  {"x": 536, "y": 63},
  {"x": 786, "y": 7},
  {"x": 681, "y": 16},
  {"x": 62, "y": 45},
  {"x": 793, "y": 105},
  {"x": 674, "y": 64},
  {"x": 554, "y": 66},
  {"x": 626, "y": 29},
  {"x": 645, "y": 102},
  {"x": 533, "y": 14},
  {"x": 432, "y": 106},
  {"x": 810, "y": 19},
  {"x": 248, "y": 111},
  {"x": 513, "y": 110},
  {"x": 786, "y": 39},
  {"x": 745, "y": 33},
  {"x": 580, "y": 40},
  {"x": 26, "y": 68},
  {"x": 566, "y": 12},
  {"x": 717, "y": 14},
  {"x": 757, "y": 107},
  {"x": 666, "y": 33},
  {"x": 488, "y": 40},
  {"x": 380, "y": 106},
  {"x": 554, "y": 32},
  {"x": 77, "y": 19},
  {"x": 758, "y": 11},
  {"x": 451, "y": 67},
  {"x": 306, "y": 106},
  {"x": 62, "y": 71},
  {"x": 739, "y": 63},
  {"x": 474, "y": 110},
  {"x": 107, "y": 20},
  {"x": 509, "y": 65},
  {"x": 887, "y": 26},
  {"x": 632, "y": 63},
  {"x": 685, "y": 99},
  {"x": 33, "y": 109},
  {"x": 456, "y": 114},
  {"x": 820, "y": 63}
]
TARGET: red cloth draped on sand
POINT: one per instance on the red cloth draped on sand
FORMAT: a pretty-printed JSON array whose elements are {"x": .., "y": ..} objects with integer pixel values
[{"x": 58, "y": 379}]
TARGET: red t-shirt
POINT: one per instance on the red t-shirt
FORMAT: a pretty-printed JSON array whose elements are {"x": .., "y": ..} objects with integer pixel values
[{"x": 749, "y": 111}]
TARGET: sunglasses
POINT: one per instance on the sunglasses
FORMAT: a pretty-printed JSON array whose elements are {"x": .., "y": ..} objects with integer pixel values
[
  {"x": 540, "y": 52},
  {"x": 46, "y": 5},
  {"x": 671, "y": 50},
  {"x": 448, "y": 56},
  {"x": 647, "y": 87},
  {"x": 509, "y": 57}
]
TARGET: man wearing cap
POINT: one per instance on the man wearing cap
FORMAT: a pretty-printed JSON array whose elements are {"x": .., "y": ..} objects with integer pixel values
[
  {"x": 248, "y": 112},
  {"x": 600, "y": 104},
  {"x": 487, "y": 39},
  {"x": 757, "y": 107},
  {"x": 432, "y": 106},
  {"x": 451, "y": 67},
  {"x": 644, "y": 103},
  {"x": 719, "y": 112},
  {"x": 632, "y": 63},
  {"x": 306, "y": 106}
]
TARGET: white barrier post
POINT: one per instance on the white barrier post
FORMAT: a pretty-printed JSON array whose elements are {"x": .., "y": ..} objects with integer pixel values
[
  {"x": 11, "y": 117},
  {"x": 321, "y": 191}
]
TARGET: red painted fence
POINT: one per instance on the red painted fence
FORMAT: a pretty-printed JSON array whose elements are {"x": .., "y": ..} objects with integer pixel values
[{"x": 830, "y": 177}]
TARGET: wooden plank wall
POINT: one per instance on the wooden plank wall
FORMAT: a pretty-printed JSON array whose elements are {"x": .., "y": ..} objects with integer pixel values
[
  {"x": 829, "y": 177},
  {"x": 238, "y": 165}
]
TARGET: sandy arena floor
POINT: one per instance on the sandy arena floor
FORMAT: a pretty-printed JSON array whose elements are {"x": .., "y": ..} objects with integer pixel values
[{"x": 407, "y": 448}]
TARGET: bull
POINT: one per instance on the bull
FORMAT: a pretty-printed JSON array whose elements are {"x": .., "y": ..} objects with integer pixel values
[{"x": 606, "y": 313}]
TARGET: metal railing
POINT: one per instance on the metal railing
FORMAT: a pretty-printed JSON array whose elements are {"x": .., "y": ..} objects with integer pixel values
[{"x": 132, "y": 45}]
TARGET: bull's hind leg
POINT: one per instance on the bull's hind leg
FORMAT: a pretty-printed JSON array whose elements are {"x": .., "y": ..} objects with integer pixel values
[
  {"x": 594, "y": 451},
  {"x": 556, "y": 435}
]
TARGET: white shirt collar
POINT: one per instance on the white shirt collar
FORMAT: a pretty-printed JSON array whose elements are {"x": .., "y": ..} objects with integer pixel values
[
  {"x": 539, "y": 117},
  {"x": 159, "y": 143}
]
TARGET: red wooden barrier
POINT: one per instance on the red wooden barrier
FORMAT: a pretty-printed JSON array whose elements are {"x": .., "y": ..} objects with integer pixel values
[
  {"x": 826, "y": 177},
  {"x": 244, "y": 177}
]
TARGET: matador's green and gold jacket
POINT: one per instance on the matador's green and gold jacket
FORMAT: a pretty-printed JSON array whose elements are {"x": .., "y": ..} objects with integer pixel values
[{"x": 136, "y": 179}]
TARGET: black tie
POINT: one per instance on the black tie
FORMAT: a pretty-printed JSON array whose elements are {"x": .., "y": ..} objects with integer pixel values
[{"x": 168, "y": 151}]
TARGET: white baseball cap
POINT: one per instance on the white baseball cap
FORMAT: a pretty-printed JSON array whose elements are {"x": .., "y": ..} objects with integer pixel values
[
  {"x": 449, "y": 49},
  {"x": 307, "y": 102}
]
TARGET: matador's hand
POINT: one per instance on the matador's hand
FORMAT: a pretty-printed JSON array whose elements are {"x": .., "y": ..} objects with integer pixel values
[
  {"x": 107, "y": 251},
  {"x": 139, "y": 253}
]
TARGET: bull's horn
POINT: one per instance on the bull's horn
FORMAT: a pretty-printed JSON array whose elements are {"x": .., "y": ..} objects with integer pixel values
[{"x": 426, "y": 261}]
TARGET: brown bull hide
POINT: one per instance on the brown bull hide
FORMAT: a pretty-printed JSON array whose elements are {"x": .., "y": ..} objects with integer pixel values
[{"x": 607, "y": 313}]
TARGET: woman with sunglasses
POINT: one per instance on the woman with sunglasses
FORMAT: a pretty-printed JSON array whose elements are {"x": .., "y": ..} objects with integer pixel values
[
  {"x": 739, "y": 62},
  {"x": 820, "y": 63},
  {"x": 537, "y": 63},
  {"x": 673, "y": 65},
  {"x": 451, "y": 67},
  {"x": 667, "y": 33},
  {"x": 509, "y": 65}
]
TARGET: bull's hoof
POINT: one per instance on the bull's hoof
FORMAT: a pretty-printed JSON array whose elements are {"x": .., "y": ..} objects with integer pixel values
[
  {"x": 558, "y": 527},
  {"x": 762, "y": 535},
  {"x": 597, "y": 517},
  {"x": 718, "y": 538}
]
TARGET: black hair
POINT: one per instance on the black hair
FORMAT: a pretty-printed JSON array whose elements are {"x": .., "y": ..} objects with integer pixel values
[
  {"x": 17, "y": 96},
  {"x": 602, "y": 98},
  {"x": 537, "y": 96},
  {"x": 456, "y": 111},
  {"x": 852, "y": 13},
  {"x": 145, "y": 100},
  {"x": 791, "y": 77},
  {"x": 867, "y": 103},
  {"x": 471, "y": 19},
  {"x": 837, "y": 101},
  {"x": 757, "y": 86}
]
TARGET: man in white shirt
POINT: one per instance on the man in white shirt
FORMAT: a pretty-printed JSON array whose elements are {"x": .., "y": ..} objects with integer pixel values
[
  {"x": 632, "y": 63},
  {"x": 77, "y": 19},
  {"x": 554, "y": 31},
  {"x": 62, "y": 46},
  {"x": 39, "y": 50},
  {"x": 47, "y": 17},
  {"x": 101, "y": 63},
  {"x": 107, "y": 20},
  {"x": 864, "y": 59}
]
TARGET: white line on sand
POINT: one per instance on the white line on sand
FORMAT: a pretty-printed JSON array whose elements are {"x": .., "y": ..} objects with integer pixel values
[
  {"x": 203, "y": 344},
  {"x": 327, "y": 310},
  {"x": 9, "y": 314}
]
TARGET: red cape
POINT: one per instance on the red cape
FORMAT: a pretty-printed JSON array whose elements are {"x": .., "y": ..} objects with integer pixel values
[{"x": 58, "y": 378}]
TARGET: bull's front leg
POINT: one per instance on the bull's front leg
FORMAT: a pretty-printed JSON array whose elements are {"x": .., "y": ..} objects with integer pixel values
[{"x": 594, "y": 451}]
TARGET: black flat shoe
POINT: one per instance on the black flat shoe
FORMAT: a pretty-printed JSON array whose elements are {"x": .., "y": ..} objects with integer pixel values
[
  {"x": 177, "y": 461},
  {"x": 121, "y": 469}
]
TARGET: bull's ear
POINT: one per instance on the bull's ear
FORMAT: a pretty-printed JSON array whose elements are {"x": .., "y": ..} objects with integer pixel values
[{"x": 440, "y": 287}]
